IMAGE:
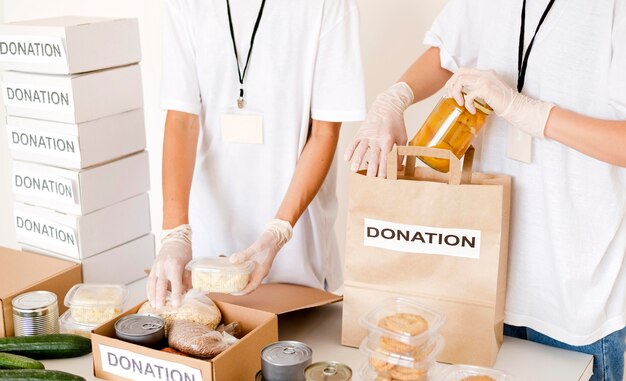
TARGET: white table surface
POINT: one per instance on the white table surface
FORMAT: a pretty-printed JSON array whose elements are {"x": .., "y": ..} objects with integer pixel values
[{"x": 320, "y": 328}]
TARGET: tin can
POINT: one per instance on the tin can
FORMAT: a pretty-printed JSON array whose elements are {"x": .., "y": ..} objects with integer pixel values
[
  {"x": 35, "y": 313},
  {"x": 285, "y": 361},
  {"x": 140, "y": 329},
  {"x": 328, "y": 371},
  {"x": 259, "y": 376}
]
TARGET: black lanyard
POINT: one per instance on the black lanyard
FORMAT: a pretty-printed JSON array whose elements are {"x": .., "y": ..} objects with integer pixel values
[
  {"x": 523, "y": 63},
  {"x": 242, "y": 76}
]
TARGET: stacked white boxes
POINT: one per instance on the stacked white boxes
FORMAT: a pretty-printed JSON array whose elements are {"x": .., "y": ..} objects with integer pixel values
[{"x": 75, "y": 126}]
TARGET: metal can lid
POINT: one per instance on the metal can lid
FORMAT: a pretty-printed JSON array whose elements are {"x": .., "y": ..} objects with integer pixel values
[
  {"x": 480, "y": 104},
  {"x": 35, "y": 303},
  {"x": 139, "y": 325},
  {"x": 286, "y": 353},
  {"x": 328, "y": 371},
  {"x": 259, "y": 376}
]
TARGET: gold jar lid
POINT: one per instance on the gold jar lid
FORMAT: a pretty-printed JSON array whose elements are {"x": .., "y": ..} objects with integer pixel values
[{"x": 480, "y": 104}]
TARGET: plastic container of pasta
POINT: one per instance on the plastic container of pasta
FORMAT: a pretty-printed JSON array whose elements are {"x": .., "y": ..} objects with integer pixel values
[
  {"x": 69, "y": 325},
  {"x": 217, "y": 274},
  {"x": 95, "y": 303}
]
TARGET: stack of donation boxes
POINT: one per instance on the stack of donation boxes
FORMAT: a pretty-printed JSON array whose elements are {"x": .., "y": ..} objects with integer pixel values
[{"x": 75, "y": 127}]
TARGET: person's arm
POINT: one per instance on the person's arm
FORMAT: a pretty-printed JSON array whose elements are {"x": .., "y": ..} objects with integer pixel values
[
  {"x": 311, "y": 170},
  {"x": 306, "y": 181},
  {"x": 601, "y": 139},
  {"x": 604, "y": 140},
  {"x": 384, "y": 125},
  {"x": 426, "y": 76},
  {"x": 179, "y": 156}
]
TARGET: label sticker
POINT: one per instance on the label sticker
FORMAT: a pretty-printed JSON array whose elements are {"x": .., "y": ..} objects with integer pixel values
[
  {"x": 243, "y": 128},
  {"x": 38, "y": 97},
  {"x": 421, "y": 239},
  {"x": 32, "y": 49},
  {"x": 519, "y": 146},
  {"x": 37, "y": 142},
  {"x": 134, "y": 366},
  {"x": 41, "y": 185},
  {"x": 57, "y": 237}
]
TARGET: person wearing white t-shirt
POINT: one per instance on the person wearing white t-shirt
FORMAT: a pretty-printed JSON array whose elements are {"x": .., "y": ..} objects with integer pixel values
[
  {"x": 555, "y": 74},
  {"x": 255, "y": 93}
]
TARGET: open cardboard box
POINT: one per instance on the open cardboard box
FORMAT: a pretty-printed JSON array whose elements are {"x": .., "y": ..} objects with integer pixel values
[
  {"x": 119, "y": 360},
  {"x": 22, "y": 271}
]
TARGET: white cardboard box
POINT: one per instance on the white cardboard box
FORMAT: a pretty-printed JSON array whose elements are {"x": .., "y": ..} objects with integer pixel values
[
  {"x": 73, "y": 98},
  {"x": 80, "y": 237},
  {"x": 123, "y": 264},
  {"x": 76, "y": 146},
  {"x": 69, "y": 45},
  {"x": 84, "y": 191}
]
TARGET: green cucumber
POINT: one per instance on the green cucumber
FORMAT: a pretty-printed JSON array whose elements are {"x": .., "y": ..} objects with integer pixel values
[
  {"x": 41, "y": 347},
  {"x": 37, "y": 374},
  {"x": 11, "y": 361}
]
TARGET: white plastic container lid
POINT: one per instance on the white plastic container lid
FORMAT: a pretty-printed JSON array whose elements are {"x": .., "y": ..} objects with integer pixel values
[
  {"x": 433, "y": 348},
  {"x": 96, "y": 295},
  {"x": 220, "y": 265},
  {"x": 393, "y": 306},
  {"x": 460, "y": 372}
]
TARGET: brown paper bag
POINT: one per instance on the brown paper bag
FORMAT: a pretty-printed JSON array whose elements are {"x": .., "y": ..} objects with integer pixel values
[{"x": 441, "y": 239}]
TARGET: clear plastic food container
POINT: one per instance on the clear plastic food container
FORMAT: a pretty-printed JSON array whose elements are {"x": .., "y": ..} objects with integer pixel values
[
  {"x": 370, "y": 372},
  {"x": 95, "y": 303},
  {"x": 402, "y": 366},
  {"x": 473, "y": 373},
  {"x": 217, "y": 274},
  {"x": 402, "y": 322},
  {"x": 69, "y": 325}
]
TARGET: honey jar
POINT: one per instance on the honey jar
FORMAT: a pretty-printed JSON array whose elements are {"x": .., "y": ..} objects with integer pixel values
[{"x": 452, "y": 127}]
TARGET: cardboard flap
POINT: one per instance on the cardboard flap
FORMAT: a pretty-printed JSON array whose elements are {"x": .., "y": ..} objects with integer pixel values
[{"x": 280, "y": 298}]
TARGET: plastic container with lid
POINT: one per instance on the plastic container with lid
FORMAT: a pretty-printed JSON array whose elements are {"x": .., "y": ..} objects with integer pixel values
[
  {"x": 452, "y": 127},
  {"x": 69, "y": 325},
  {"x": 402, "y": 308},
  {"x": 471, "y": 373},
  {"x": 217, "y": 274},
  {"x": 95, "y": 303},
  {"x": 388, "y": 363}
]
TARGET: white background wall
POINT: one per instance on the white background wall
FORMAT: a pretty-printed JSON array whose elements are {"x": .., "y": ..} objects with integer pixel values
[{"x": 391, "y": 32}]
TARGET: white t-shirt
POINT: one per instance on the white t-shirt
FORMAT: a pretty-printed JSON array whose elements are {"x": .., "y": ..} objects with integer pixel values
[
  {"x": 567, "y": 257},
  {"x": 305, "y": 63}
]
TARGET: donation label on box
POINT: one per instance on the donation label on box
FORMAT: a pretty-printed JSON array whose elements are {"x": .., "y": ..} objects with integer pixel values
[
  {"x": 38, "y": 97},
  {"x": 47, "y": 186},
  {"x": 52, "y": 234},
  {"x": 135, "y": 366},
  {"x": 32, "y": 49},
  {"x": 37, "y": 142}
]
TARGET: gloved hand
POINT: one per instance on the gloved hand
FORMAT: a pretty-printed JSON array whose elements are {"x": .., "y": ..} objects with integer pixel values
[
  {"x": 383, "y": 127},
  {"x": 522, "y": 112},
  {"x": 263, "y": 251},
  {"x": 169, "y": 267}
]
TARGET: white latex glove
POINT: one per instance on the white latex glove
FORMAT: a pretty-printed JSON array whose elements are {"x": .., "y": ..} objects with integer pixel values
[
  {"x": 263, "y": 251},
  {"x": 383, "y": 127},
  {"x": 522, "y": 112},
  {"x": 169, "y": 267}
]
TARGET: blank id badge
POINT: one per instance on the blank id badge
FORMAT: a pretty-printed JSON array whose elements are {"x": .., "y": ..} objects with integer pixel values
[{"x": 241, "y": 126}]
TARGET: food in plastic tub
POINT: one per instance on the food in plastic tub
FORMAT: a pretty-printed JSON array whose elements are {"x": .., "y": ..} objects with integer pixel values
[
  {"x": 451, "y": 127},
  {"x": 69, "y": 325},
  {"x": 195, "y": 307},
  {"x": 368, "y": 373},
  {"x": 402, "y": 366},
  {"x": 217, "y": 274},
  {"x": 402, "y": 323},
  {"x": 95, "y": 303},
  {"x": 473, "y": 373}
]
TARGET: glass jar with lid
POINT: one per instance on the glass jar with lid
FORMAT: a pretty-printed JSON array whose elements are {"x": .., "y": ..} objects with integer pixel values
[{"x": 452, "y": 127}]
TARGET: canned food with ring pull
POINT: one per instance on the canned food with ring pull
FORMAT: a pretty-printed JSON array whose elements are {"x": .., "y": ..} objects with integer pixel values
[
  {"x": 328, "y": 371},
  {"x": 285, "y": 361},
  {"x": 140, "y": 329}
]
